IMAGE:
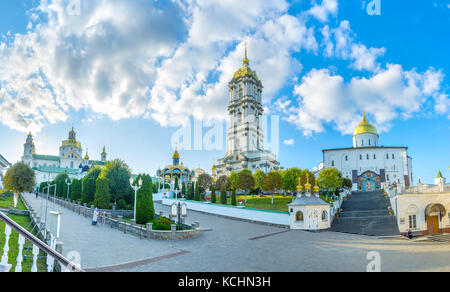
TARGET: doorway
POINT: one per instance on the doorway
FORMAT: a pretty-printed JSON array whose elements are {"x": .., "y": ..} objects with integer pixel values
[{"x": 433, "y": 225}]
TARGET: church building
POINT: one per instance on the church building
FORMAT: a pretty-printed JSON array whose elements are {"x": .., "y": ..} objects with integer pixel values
[
  {"x": 245, "y": 138},
  {"x": 70, "y": 160},
  {"x": 369, "y": 165}
]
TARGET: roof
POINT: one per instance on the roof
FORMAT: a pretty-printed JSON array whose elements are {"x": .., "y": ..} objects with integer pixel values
[
  {"x": 353, "y": 148},
  {"x": 308, "y": 201},
  {"x": 56, "y": 170},
  {"x": 45, "y": 157},
  {"x": 99, "y": 163},
  {"x": 4, "y": 162}
]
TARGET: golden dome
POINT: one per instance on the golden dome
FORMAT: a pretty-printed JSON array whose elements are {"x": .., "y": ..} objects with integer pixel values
[
  {"x": 214, "y": 167},
  {"x": 87, "y": 156},
  {"x": 245, "y": 70},
  {"x": 364, "y": 127},
  {"x": 176, "y": 155}
]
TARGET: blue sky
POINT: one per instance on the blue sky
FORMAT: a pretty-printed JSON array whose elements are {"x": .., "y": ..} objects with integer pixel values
[{"x": 127, "y": 74}]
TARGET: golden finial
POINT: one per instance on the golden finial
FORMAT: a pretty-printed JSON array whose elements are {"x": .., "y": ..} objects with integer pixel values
[
  {"x": 307, "y": 185},
  {"x": 316, "y": 189},
  {"x": 299, "y": 186},
  {"x": 246, "y": 61}
]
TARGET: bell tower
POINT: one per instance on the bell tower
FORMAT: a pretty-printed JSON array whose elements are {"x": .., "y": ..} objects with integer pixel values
[{"x": 245, "y": 110}]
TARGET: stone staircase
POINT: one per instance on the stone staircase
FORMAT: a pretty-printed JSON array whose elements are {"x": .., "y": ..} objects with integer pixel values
[{"x": 366, "y": 213}]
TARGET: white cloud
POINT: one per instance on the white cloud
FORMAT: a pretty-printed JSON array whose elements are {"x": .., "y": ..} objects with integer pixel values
[
  {"x": 167, "y": 60},
  {"x": 323, "y": 10},
  {"x": 324, "y": 98},
  {"x": 340, "y": 43},
  {"x": 289, "y": 142}
]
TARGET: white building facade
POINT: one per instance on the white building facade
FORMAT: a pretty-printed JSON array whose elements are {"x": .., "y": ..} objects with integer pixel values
[
  {"x": 245, "y": 138},
  {"x": 422, "y": 209},
  {"x": 368, "y": 165},
  {"x": 4, "y": 165},
  {"x": 69, "y": 160}
]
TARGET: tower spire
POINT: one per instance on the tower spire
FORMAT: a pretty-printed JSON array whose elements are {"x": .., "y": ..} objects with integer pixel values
[{"x": 245, "y": 62}]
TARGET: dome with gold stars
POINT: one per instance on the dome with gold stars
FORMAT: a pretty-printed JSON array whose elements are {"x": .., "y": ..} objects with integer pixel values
[{"x": 365, "y": 128}]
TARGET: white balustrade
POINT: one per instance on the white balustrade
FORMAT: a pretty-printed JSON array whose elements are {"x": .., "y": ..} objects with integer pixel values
[
  {"x": 35, "y": 257},
  {"x": 20, "y": 255},
  {"x": 6, "y": 247}
]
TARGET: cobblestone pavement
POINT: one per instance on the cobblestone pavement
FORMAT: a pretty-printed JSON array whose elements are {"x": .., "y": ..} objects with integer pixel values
[{"x": 241, "y": 246}]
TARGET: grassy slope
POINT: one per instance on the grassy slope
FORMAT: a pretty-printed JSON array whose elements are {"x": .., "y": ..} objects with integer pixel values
[{"x": 8, "y": 201}]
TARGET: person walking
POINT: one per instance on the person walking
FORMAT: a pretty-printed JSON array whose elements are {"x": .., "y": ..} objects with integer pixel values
[
  {"x": 37, "y": 195},
  {"x": 95, "y": 218}
]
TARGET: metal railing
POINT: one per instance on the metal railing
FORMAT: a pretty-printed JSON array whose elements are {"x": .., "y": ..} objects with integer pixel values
[{"x": 52, "y": 254}]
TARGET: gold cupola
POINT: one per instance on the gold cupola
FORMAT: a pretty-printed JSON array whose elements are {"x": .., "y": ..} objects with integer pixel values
[
  {"x": 245, "y": 69},
  {"x": 87, "y": 155},
  {"x": 365, "y": 127}
]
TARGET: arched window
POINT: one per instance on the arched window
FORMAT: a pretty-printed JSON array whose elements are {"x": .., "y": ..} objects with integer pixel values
[
  {"x": 332, "y": 163},
  {"x": 299, "y": 216},
  {"x": 367, "y": 156},
  {"x": 324, "y": 215},
  {"x": 360, "y": 156},
  {"x": 387, "y": 156},
  {"x": 374, "y": 156},
  {"x": 241, "y": 92},
  {"x": 393, "y": 157},
  {"x": 362, "y": 142}
]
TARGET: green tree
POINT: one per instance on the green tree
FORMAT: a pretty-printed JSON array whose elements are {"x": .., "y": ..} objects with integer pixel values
[
  {"x": 75, "y": 189},
  {"x": 183, "y": 189},
  {"x": 213, "y": 195},
  {"x": 19, "y": 178},
  {"x": 245, "y": 182},
  {"x": 223, "y": 197},
  {"x": 118, "y": 174},
  {"x": 289, "y": 179},
  {"x": 102, "y": 195},
  {"x": 88, "y": 185},
  {"x": 197, "y": 192},
  {"x": 145, "y": 210},
  {"x": 347, "y": 183},
  {"x": 233, "y": 198},
  {"x": 204, "y": 181},
  {"x": 190, "y": 194},
  {"x": 223, "y": 183},
  {"x": 272, "y": 182},
  {"x": 233, "y": 180},
  {"x": 259, "y": 176},
  {"x": 330, "y": 179},
  {"x": 61, "y": 183}
]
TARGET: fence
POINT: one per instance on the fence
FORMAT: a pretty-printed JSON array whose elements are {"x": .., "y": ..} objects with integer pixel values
[
  {"x": 113, "y": 219},
  {"x": 38, "y": 245}
]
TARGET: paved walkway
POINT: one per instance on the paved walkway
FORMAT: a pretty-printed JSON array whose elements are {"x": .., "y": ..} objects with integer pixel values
[
  {"x": 242, "y": 246},
  {"x": 100, "y": 246}
]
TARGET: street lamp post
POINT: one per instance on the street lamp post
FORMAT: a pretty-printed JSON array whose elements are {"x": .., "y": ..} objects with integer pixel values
[
  {"x": 68, "y": 182},
  {"x": 135, "y": 188}
]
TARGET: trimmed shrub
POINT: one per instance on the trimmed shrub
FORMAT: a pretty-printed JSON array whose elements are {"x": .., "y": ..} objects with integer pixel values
[
  {"x": 102, "y": 196},
  {"x": 233, "y": 198},
  {"x": 213, "y": 195},
  {"x": 223, "y": 197},
  {"x": 145, "y": 210}
]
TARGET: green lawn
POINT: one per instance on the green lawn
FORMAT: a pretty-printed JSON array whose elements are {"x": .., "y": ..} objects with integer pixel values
[
  {"x": 9, "y": 201},
  {"x": 24, "y": 221}
]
